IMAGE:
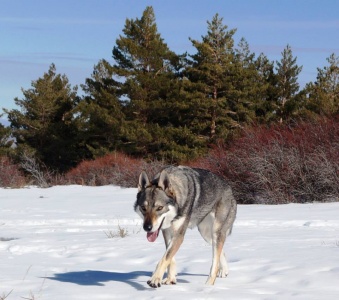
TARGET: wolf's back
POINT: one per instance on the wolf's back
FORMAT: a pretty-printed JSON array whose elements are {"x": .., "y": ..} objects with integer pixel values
[{"x": 198, "y": 192}]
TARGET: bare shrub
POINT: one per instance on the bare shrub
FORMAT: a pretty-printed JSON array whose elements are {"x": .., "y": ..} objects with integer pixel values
[
  {"x": 31, "y": 166},
  {"x": 120, "y": 232},
  {"x": 116, "y": 168},
  {"x": 10, "y": 174},
  {"x": 281, "y": 164},
  {"x": 30, "y": 297},
  {"x": 5, "y": 295}
]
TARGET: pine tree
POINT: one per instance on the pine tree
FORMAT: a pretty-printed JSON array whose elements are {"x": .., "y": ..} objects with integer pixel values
[
  {"x": 209, "y": 83},
  {"x": 287, "y": 83},
  {"x": 146, "y": 65},
  {"x": 99, "y": 115},
  {"x": 149, "y": 74},
  {"x": 323, "y": 95},
  {"x": 248, "y": 85},
  {"x": 44, "y": 123},
  {"x": 5, "y": 140},
  {"x": 265, "y": 108}
]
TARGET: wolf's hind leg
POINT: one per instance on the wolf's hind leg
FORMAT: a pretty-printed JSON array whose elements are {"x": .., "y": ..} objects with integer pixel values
[
  {"x": 206, "y": 228},
  {"x": 223, "y": 218},
  {"x": 208, "y": 231},
  {"x": 223, "y": 268},
  {"x": 218, "y": 240}
]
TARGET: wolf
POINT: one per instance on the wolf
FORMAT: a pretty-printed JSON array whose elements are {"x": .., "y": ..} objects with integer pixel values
[{"x": 181, "y": 197}]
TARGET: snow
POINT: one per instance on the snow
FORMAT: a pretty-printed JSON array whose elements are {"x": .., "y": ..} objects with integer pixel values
[{"x": 54, "y": 245}]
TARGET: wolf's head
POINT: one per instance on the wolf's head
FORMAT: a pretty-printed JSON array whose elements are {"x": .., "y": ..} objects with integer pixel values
[{"x": 155, "y": 204}]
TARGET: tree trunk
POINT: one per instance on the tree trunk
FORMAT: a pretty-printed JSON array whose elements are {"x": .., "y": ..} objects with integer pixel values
[{"x": 214, "y": 113}]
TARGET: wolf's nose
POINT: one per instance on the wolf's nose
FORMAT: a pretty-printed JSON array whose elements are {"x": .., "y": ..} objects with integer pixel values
[{"x": 148, "y": 227}]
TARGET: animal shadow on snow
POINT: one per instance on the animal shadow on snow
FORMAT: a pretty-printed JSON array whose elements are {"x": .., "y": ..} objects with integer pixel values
[{"x": 91, "y": 277}]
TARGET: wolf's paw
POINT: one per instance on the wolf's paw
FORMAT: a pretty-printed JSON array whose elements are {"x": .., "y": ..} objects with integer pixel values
[
  {"x": 169, "y": 281},
  {"x": 154, "y": 282},
  {"x": 222, "y": 274},
  {"x": 223, "y": 269},
  {"x": 210, "y": 281}
]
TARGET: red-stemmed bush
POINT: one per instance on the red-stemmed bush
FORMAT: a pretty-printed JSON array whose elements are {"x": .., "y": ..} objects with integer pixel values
[
  {"x": 116, "y": 168},
  {"x": 10, "y": 174},
  {"x": 281, "y": 164}
]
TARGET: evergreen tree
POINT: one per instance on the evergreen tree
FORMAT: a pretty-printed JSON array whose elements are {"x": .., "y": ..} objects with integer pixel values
[
  {"x": 149, "y": 74},
  {"x": 265, "y": 108},
  {"x": 287, "y": 83},
  {"x": 44, "y": 123},
  {"x": 5, "y": 140},
  {"x": 249, "y": 85},
  {"x": 146, "y": 66},
  {"x": 323, "y": 95},
  {"x": 210, "y": 81},
  {"x": 99, "y": 115}
]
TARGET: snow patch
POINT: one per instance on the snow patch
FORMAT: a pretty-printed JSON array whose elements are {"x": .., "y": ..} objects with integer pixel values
[{"x": 53, "y": 246}]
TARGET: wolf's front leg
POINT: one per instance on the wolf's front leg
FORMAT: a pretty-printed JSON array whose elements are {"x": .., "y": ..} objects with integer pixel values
[
  {"x": 158, "y": 274},
  {"x": 172, "y": 268},
  {"x": 171, "y": 273},
  {"x": 172, "y": 249}
]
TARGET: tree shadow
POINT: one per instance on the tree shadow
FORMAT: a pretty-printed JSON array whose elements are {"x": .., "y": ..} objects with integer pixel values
[
  {"x": 98, "y": 278},
  {"x": 7, "y": 239},
  {"x": 91, "y": 277}
]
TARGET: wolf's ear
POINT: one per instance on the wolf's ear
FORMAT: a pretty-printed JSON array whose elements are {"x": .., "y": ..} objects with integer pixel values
[
  {"x": 143, "y": 181},
  {"x": 164, "y": 181},
  {"x": 165, "y": 184}
]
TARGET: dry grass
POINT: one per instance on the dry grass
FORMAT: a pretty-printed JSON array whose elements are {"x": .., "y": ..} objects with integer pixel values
[
  {"x": 5, "y": 295},
  {"x": 120, "y": 232}
]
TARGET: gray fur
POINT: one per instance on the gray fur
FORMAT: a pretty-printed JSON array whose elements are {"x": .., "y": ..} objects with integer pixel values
[{"x": 182, "y": 197}]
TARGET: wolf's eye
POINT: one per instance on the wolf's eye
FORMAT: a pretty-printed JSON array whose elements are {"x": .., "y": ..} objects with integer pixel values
[
  {"x": 143, "y": 208},
  {"x": 159, "y": 208}
]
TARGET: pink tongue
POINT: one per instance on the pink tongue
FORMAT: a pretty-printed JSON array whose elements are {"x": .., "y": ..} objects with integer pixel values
[{"x": 152, "y": 236}]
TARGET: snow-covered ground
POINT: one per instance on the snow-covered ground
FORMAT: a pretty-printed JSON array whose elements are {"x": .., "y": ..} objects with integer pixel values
[{"x": 54, "y": 245}]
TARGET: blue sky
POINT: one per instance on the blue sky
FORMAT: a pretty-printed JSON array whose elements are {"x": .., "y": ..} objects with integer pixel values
[{"x": 76, "y": 34}]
